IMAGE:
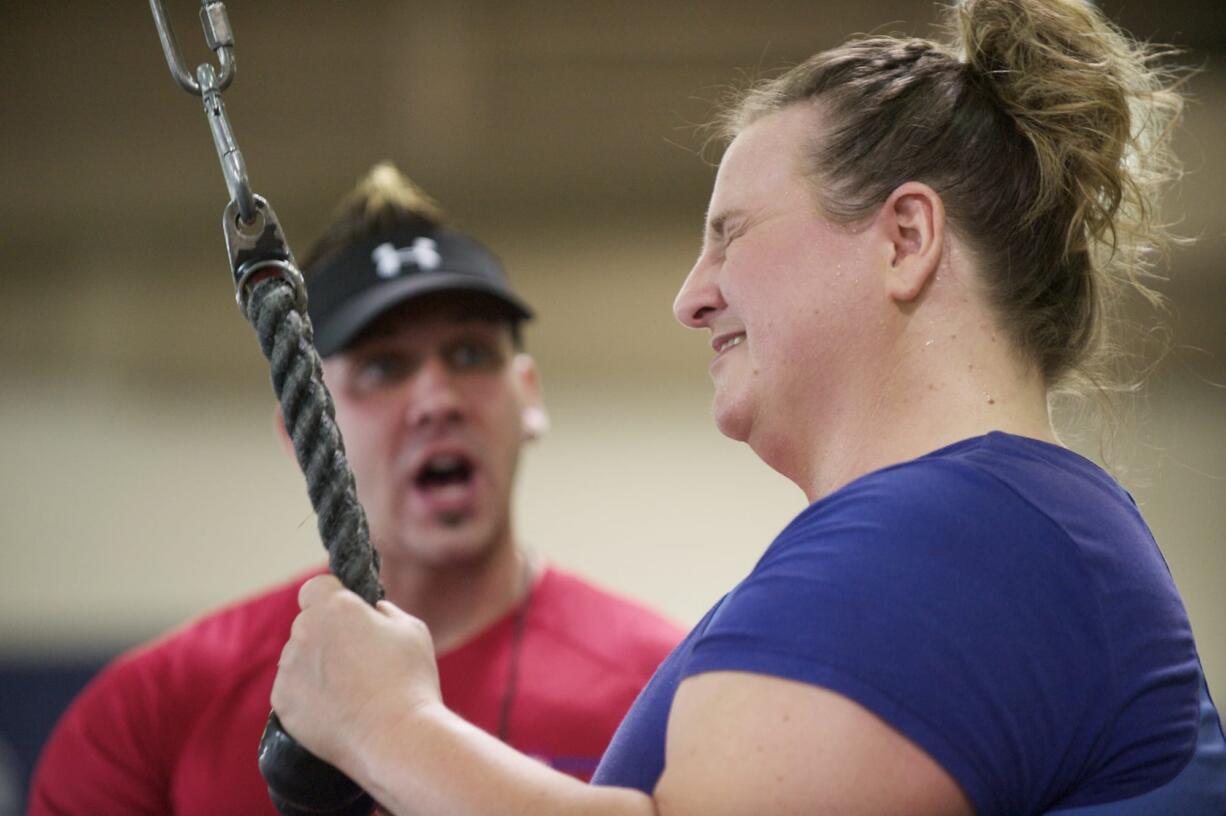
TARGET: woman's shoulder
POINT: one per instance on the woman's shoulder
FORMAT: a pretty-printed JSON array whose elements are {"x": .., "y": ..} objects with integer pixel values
[{"x": 997, "y": 487}]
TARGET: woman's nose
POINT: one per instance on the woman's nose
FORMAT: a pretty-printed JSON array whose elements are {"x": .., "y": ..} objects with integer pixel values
[{"x": 700, "y": 296}]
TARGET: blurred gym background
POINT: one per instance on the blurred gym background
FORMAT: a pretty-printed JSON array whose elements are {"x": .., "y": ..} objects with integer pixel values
[{"x": 141, "y": 482}]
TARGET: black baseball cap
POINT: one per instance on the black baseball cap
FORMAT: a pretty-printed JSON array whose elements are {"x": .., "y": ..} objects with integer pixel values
[{"x": 349, "y": 288}]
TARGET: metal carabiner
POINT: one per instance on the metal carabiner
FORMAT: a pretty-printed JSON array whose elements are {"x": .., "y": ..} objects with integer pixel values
[
  {"x": 233, "y": 168},
  {"x": 208, "y": 85},
  {"x": 217, "y": 34}
]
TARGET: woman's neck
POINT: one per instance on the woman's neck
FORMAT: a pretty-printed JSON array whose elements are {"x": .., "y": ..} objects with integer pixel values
[{"x": 932, "y": 387}]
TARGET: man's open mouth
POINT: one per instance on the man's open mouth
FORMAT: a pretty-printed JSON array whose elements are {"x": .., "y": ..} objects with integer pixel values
[{"x": 444, "y": 470}]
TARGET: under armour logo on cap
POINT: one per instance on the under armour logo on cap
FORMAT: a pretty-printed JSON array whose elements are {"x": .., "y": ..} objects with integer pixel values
[
  {"x": 389, "y": 260},
  {"x": 345, "y": 297}
]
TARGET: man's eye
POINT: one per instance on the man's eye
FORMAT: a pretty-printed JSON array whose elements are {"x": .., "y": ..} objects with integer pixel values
[
  {"x": 473, "y": 356},
  {"x": 381, "y": 369}
]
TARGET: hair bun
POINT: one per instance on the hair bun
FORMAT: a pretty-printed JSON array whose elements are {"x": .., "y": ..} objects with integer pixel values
[{"x": 1086, "y": 96}]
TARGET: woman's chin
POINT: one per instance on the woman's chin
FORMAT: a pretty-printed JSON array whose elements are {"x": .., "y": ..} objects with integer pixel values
[{"x": 732, "y": 417}]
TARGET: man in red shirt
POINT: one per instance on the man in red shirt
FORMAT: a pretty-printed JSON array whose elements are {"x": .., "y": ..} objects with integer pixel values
[{"x": 419, "y": 331}]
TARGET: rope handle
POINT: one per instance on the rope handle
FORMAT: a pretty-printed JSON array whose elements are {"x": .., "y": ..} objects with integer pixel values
[{"x": 299, "y": 783}]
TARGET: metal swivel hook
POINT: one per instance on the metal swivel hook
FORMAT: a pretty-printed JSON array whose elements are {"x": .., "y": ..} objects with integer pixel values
[{"x": 208, "y": 85}]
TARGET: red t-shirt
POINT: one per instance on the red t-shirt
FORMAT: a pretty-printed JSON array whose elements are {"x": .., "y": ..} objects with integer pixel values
[{"x": 173, "y": 726}]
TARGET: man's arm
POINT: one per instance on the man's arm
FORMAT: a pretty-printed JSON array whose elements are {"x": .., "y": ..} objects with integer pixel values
[
  {"x": 737, "y": 743},
  {"x": 100, "y": 757}
]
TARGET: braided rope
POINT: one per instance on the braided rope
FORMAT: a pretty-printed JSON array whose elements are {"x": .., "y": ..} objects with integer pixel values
[{"x": 287, "y": 340}]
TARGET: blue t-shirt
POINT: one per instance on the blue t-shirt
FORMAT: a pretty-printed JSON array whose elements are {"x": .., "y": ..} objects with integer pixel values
[{"x": 1002, "y": 604}]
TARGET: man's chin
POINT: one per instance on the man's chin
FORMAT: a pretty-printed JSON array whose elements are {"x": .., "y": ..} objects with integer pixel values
[
  {"x": 453, "y": 521},
  {"x": 445, "y": 542}
]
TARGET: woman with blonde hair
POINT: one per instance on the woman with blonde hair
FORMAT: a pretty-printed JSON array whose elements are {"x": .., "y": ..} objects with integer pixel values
[{"x": 909, "y": 247}]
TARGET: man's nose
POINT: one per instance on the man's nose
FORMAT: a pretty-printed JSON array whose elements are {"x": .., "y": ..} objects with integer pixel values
[
  {"x": 700, "y": 296},
  {"x": 433, "y": 398}
]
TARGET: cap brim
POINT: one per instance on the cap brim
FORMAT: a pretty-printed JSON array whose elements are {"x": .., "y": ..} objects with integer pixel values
[{"x": 338, "y": 329}]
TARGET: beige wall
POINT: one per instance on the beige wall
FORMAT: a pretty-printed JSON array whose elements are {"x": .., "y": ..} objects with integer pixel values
[{"x": 141, "y": 482}]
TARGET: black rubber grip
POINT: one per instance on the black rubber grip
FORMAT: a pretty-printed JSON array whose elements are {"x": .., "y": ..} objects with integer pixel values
[{"x": 302, "y": 784}]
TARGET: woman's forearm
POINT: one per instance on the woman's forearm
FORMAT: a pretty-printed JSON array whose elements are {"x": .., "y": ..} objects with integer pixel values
[{"x": 436, "y": 764}]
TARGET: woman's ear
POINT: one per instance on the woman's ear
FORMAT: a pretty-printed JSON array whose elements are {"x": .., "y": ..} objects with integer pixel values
[{"x": 913, "y": 218}]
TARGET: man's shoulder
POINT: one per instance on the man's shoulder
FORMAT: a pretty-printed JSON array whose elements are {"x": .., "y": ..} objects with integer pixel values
[
  {"x": 603, "y": 625},
  {"x": 247, "y": 630},
  {"x": 127, "y": 732}
]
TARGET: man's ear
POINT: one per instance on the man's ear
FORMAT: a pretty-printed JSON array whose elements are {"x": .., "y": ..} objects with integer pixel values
[
  {"x": 913, "y": 222},
  {"x": 533, "y": 416}
]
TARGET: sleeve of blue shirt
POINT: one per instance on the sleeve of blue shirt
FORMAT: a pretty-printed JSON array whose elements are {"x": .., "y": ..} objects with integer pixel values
[{"x": 938, "y": 599}]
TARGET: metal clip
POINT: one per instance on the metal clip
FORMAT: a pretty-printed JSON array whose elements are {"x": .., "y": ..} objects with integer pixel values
[
  {"x": 208, "y": 86},
  {"x": 232, "y": 166},
  {"x": 217, "y": 34},
  {"x": 259, "y": 246}
]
